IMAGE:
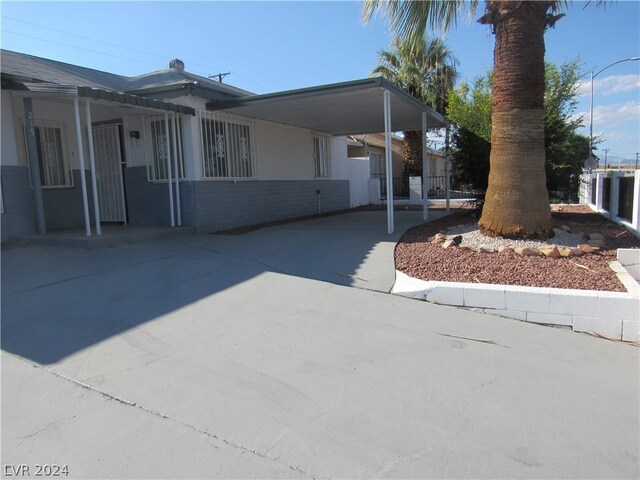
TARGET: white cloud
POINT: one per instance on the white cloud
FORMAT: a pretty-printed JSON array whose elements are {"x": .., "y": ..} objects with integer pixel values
[
  {"x": 616, "y": 135},
  {"x": 614, "y": 114},
  {"x": 610, "y": 85}
]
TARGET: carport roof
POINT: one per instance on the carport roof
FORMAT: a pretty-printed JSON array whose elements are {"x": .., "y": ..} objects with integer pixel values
[{"x": 354, "y": 107}]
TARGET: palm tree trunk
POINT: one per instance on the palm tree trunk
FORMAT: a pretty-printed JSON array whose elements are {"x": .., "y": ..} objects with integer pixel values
[
  {"x": 517, "y": 201},
  {"x": 412, "y": 153}
]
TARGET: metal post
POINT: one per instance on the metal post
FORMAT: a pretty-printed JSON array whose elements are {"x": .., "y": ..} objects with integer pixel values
[
  {"x": 168, "y": 152},
  {"x": 425, "y": 170},
  {"x": 34, "y": 166},
  {"x": 447, "y": 168},
  {"x": 591, "y": 126},
  {"x": 92, "y": 164},
  {"x": 83, "y": 179},
  {"x": 388, "y": 165},
  {"x": 175, "y": 163}
]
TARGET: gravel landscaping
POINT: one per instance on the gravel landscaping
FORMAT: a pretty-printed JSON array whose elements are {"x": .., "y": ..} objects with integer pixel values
[{"x": 416, "y": 256}]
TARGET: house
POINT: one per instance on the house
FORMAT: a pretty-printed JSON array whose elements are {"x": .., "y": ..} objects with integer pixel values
[{"x": 170, "y": 148}]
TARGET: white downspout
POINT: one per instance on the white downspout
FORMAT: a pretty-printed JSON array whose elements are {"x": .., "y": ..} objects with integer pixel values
[
  {"x": 425, "y": 170},
  {"x": 168, "y": 149},
  {"x": 177, "y": 147},
  {"x": 83, "y": 179},
  {"x": 388, "y": 165},
  {"x": 92, "y": 164}
]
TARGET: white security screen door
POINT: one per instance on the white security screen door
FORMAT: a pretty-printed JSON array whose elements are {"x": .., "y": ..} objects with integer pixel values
[{"x": 106, "y": 146}]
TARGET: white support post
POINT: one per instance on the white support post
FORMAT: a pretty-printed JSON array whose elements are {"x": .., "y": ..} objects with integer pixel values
[
  {"x": 447, "y": 167},
  {"x": 168, "y": 151},
  {"x": 388, "y": 165},
  {"x": 175, "y": 163},
  {"x": 179, "y": 146},
  {"x": 83, "y": 179},
  {"x": 92, "y": 164},
  {"x": 425, "y": 170}
]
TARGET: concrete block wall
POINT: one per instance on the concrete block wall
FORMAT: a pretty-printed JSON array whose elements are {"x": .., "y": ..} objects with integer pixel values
[
  {"x": 614, "y": 314},
  {"x": 17, "y": 197},
  {"x": 148, "y": 202},
  {"x": 63, "y": 207},
  {"x": 224, "y": 204}
]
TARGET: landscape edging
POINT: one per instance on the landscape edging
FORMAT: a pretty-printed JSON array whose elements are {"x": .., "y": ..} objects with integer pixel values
[{"x": 612, "y": 314}]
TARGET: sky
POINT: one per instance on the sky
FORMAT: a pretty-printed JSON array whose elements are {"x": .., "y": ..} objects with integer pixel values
[{"x": 274, "y": 46}]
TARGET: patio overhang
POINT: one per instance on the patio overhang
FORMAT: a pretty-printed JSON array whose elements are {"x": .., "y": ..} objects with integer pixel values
[
  {"x": 99, "y": 95},
  {"x": 346, "y": 108},
  {"x": 371, "y": 105}
]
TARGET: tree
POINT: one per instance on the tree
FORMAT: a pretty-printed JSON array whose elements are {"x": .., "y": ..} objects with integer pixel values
[
  {"x": 517, "y": 200},
  {"x": 426, "y": 69},
  {"x": 470, "y": 110},
  {"x": 565, "y": 149}
]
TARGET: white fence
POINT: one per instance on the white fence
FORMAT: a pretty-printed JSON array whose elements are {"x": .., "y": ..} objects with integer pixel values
[{"x": 615, "y": 195}]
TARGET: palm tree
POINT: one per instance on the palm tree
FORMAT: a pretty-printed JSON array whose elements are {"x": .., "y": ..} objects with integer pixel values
[
  {"x": 517, "y": 201},
  {"x": 426, "y": 69}
]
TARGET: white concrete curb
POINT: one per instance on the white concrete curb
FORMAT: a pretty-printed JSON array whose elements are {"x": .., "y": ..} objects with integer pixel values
[{"x": 613, "y": 314}]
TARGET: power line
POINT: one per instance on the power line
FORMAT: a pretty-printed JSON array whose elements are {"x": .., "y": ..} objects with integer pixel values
[
  {"x": 129, "y": 49},
  {"x": 101, "y": 41},
  {"x": 79, "y": 48}
]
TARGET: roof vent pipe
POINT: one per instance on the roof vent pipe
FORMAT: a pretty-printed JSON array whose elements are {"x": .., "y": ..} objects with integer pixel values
[{"x": 176, "y": 64}]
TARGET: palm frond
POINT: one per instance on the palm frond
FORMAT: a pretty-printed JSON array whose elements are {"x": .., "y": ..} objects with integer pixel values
[{"x": 410, "y": 19}]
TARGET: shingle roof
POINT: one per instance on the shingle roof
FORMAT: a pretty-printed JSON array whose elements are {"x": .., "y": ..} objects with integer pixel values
[{"x": 23, "y": 67}]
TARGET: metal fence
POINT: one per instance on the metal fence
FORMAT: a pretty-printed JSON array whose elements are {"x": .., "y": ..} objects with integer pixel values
[
  {"x": 625, "y": 198},
  {"x": 400, "y": 188}
]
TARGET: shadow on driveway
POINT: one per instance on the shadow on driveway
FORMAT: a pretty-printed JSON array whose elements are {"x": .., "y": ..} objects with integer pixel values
[{"x": 57, "y": 300}]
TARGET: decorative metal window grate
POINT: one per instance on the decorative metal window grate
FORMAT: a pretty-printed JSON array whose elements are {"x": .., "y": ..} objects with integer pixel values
[
  {"x": 158, "y": 148},
  {"x": 51, "y": 149},
  {"x": 321, "y": 156},
  {"x": 227, "y": 147}
]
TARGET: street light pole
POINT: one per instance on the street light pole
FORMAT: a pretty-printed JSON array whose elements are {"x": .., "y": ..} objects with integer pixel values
[{"x": 594, "y": 75}]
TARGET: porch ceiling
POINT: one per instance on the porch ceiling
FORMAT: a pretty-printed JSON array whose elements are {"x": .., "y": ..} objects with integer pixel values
[
  {"x": 339, "y": 109},
  {"x": 97, "y": 94}
]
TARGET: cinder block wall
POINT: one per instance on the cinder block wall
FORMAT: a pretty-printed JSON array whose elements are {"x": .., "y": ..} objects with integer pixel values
[
  {"x": 17, "y": 196},
  {"x": 225, "y": 204},
  {"x": 148, "y": 203},
  {"x": 63, "y": 207}
]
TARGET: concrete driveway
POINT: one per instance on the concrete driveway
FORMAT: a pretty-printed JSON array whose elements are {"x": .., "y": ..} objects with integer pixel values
[{"x": 209, "y": 356}]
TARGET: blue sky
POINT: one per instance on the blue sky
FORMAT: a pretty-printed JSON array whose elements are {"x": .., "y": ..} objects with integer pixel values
[{"x": 273, "y": 46}]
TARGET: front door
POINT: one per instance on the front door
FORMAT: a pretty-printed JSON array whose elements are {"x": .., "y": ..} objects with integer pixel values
[{"x": 106, "y": 149}]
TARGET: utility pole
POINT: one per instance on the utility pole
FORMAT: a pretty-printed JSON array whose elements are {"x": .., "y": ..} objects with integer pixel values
[
  {"x": 219, "y": 76},
  {"x": 605, "y": 158},
  {"x": 637, "y": 160}
]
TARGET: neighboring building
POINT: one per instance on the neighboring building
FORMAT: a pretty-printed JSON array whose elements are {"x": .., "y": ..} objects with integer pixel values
[{"x": 239, "y": 158}]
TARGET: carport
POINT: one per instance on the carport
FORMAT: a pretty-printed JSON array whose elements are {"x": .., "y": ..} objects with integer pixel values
[{"x": 370, "y": 105}]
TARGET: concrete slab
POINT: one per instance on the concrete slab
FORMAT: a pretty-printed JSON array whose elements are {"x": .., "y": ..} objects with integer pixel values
[{"x": 211, "y": 356}]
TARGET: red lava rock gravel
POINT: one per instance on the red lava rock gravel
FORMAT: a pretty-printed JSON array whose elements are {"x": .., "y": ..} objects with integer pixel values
[{"x": 417, "y": 257}]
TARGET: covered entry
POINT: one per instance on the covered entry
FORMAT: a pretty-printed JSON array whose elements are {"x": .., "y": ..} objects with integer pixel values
[
  {"x": 79, "y": 162},
  {"x": 370, "y": 105}
]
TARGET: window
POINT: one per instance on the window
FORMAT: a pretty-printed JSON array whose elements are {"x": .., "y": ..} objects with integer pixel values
[
  {"x": 51, "y": 151},
  {"x": 321, "y": 156},
  {"x": 158, "y": 148},
  {"x": 227, "y": 147},
  {"x": 376, "y": 164}
]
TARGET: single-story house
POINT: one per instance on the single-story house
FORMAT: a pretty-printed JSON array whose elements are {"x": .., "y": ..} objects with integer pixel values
[{"x": 82, "y": 147}]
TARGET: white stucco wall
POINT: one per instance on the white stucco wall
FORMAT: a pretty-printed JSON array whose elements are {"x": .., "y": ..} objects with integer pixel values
[
  {"x": 283, "y": 153},
  {"x": 356, "y": 170}
]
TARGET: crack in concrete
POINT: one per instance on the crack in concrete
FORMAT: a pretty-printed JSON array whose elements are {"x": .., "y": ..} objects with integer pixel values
[
  {"x": 86, "y": 275},
  {"x": 128, "y": 403}
]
